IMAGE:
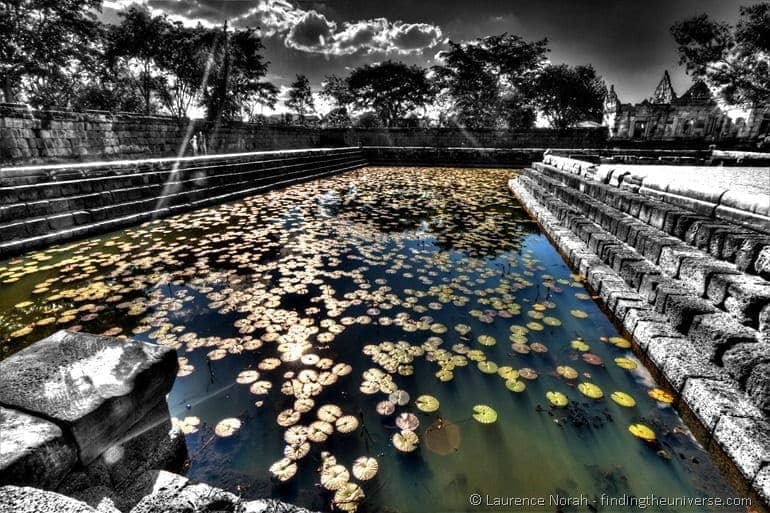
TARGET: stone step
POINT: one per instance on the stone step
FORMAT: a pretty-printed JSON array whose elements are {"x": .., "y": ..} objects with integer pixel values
[
  {"x": 29, "y": 175},
  {"x": 748, "y": 249},
  {"x": 719, "y": 338},
  {"x": 44, "y": 190},
  {"x": 744, "y": 296},
  {"x": 9, "y": 247},
  {"x": 733, "y": 414}
]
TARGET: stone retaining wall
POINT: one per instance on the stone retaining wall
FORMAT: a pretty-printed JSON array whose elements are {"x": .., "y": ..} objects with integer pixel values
[
  {"x": 28, "y": 135},
  {"x": 44, "y": 205},
  {"x": 692, "y": 292}
]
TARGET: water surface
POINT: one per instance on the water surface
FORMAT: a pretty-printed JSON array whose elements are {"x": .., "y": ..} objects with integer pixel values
[{"x": 284, "y": 302}]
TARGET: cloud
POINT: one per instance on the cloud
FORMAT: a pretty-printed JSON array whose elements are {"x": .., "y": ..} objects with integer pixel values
[
  {"x": 308, "y": 30},
  {"x": 311, "y": 33}
]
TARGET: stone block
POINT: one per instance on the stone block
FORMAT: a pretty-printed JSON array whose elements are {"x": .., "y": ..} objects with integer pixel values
[
  {"x": 14, "y": 499},
  {"x": 671, "y": 258},
  {"x": 710, "y": 399},
  {"x": 717, "y": 332},
  {"x": 33, "y": 451},
  {"x": 758, "y": 386},
  {"x": 681, "y": 310},
  {"x": 746, "y": 441},
  {"x": 98, "y": 387},
  {"x": 696, "y": 271},
  {"x": 679, "y": 361}
]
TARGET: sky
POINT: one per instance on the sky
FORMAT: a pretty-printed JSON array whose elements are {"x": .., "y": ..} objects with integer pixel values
[{"x": 627, "y": 41}]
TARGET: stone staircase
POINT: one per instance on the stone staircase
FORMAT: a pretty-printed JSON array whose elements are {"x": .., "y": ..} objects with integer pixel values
[
  {"x": 690, "y": 289},
  {"x": 44, "y": 205}
]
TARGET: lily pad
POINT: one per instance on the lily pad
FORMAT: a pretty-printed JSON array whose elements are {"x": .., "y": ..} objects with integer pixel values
[
  {"x": 227, "y": 427},
  {"x": 623, "y": 399},
  {"x": 427, "y": 403},
  {"x": 487, "y": 367},
  {"x": 557, "y": 399},
  {"x": 590, "y": 390},
  {"x": 642, "y": 431},
  {"x": 484, "y": 414},
  {"x": 626, "y": 363},
  {"x": 365, "y": 468},
  {"x": 405, "y": 441},
  {"x": 661, "y": 395}
]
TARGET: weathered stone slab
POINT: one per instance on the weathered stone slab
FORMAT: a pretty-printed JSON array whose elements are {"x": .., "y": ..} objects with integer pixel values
[
  {"x": 14, "y": 499},
  {"x": 98, "y": 387},
  {"x": 33, "y": 451},
  {"x": 746, "y": 441},
  {"x": 710, "y": 399}
]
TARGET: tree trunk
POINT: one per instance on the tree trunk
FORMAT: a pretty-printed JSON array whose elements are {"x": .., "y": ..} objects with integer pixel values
[{"x": 8, "y": 89}]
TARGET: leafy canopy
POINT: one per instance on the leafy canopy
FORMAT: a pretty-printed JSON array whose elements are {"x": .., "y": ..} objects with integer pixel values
[{"x": 735, "y": 60}]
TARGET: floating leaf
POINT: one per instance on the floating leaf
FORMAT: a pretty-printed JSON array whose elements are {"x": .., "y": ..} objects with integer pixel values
[
  {"x": 557, "y": 399},
  {"x": 579, "y": 345},
  {"x": 487, "y": 367},
  {"x": 365, "y": 468},
  {"x": 385, "y": 408},
  {"x": 590, "y": 390},
  {"x": 515, "y": 385},
  {"x": 642, "y": 431},
  {"x": 625, "y": 363},
  {"x": 620, "y": 342},
  {"x": 346, "y": 424},
  {"x": 348, "y": 497},
  {"x": 592, "y": 359},
  {"x": 486, "y": 340},
  {"x": 427, "y": 403},
  {"x": 661, "y": 395},
  {"x": 334, "y": 477},
  {"x": 507, "y": 372},
  {"x": 406, "y": 441},
  {"x": 227, "y": 427},
  {"x": 407, "y": 421},
  {"x": 578, "y": 314},
  {"x": 566, "y": 372},
  {"x": 284, "y": 469},
  {"x": 623, "y": 399},
  {"x": 484, "y": 414}
]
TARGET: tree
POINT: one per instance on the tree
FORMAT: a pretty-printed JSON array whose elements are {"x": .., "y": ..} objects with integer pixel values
[
  {"x": 486, "y": 80},
  {"x": 135, "y": 45},
  {"x": 336, "y": 89},
  {"x": 184, "y": 65},
  {"x": 567, "y": 95},
  {"x": 300, "y": 96},
  {"x": 735, "y": 60},
  {"x": 45, "y": 43},
  {"x": 235, "y": 74},
  {"x": 392, "y": 89},
  {"x": 266, "y": 96}
]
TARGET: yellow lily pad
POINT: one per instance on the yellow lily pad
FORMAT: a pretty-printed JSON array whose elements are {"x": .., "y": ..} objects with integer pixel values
[
  {"x": 623, "y": 399},
  {"x": 642, "y": 431},
  {"x": 484, "y": 414},
  {"x": 661, "y": 395},
  {"x": 590, "y": 390},
  {"x": 626, "y": 363},
  {"x": 557, "y": 399}
]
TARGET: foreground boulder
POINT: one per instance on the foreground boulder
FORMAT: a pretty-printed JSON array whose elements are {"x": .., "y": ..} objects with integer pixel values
[
  {"x": 15, "y": 499},
  {"x": 96, "y": 388},
  {"x": 33, "y": 451}
]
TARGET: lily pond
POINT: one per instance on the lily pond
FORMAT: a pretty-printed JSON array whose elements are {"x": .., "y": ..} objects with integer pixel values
[{"x": 384, "y": 340}]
